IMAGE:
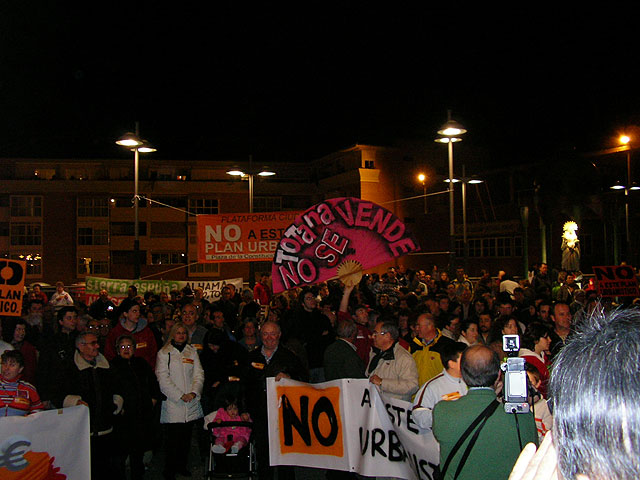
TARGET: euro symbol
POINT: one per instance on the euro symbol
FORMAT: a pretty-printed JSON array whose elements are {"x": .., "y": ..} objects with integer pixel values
[{"x": 12, "y": 453}]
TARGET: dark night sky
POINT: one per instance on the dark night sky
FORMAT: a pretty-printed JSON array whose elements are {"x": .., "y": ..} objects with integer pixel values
[{"x": 289, "y": 83}]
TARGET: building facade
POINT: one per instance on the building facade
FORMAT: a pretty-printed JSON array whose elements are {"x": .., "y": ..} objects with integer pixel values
[{"x": 73, "y": 218}]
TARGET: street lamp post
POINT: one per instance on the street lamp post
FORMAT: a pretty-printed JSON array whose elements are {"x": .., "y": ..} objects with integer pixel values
[
  {"x": 249, "y": 175},
  {"x": 464, "y": 181},
  {"x": 625, "y": 141},
  {"x": 449, "y": 133},
  {"x": 137, "y": 145}
]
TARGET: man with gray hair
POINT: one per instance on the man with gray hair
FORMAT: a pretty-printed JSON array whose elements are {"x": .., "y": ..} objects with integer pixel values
[
  {"x": 594, "y": 390},
  {"x": 392, "y": 368},
  {"x": 88, "y": 380},
  {"x": 340, "y": 358}
]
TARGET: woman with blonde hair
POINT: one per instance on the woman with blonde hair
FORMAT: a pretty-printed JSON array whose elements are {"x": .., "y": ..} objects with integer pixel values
[{"x": 181, "y": 378}]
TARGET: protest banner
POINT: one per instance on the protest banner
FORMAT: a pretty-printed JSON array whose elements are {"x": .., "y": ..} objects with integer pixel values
[
  {"x": 338, "y": 238},
  {"x": 616, "y": 281},
  {"x": 117, "y": 288},
  {"x": 240, "y": 237},
  {"x": 12, "y": 275},
  {"x": 347, "y": 425},
  {"x": 46, "y": 445}
]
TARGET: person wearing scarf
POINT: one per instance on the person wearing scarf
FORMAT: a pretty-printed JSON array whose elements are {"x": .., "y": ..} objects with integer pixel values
[{"x": 392, "y": 368}]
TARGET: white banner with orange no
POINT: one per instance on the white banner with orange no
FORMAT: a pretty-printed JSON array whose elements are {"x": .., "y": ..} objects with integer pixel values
[{"x": 347, "y": 425}]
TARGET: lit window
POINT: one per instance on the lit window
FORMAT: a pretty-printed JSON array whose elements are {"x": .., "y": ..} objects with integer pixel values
[
  {"x": 33, "y": 261},
  {"x": 90, "y": 266}
]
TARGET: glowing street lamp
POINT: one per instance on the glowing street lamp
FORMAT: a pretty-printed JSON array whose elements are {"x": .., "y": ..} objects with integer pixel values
[
  {"x": 626, "y": 140},
  {"x": 137, "y": 145},
  {"x": 263, "y": 172},
  {"x": 237, "y": 172},
  {"x": 450, "y": 133},
  {"x": 465, "y": 181},
  {"x": 422, "y": 178}
]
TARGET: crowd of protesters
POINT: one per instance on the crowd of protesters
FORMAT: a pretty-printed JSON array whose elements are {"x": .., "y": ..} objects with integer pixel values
[{"x": 174, "y": 357}]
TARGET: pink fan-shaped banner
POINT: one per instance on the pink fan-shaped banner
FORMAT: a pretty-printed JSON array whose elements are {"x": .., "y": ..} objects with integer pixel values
[{"x": 335, "y": 238}]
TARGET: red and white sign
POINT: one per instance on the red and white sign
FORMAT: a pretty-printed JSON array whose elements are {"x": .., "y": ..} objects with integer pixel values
[{"x": 240, "y": 237}]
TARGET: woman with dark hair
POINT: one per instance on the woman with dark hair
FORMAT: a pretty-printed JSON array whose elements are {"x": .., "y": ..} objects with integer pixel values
[
  {"x": 29, "y": 352},
  {"x": 135, "y": 429},
  {"x": 534, "y": 347},
  {"x": 469, "y": 332},
  {"x": 250, "y": 339},
  {"x": 504, "y": 325}
]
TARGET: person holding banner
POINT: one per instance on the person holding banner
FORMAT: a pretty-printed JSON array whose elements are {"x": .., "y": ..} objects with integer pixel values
[
  {"x": 17, "y": 397},
  {"x": 392, "y": 369},
  {"x": 340, "y": 358},
  {"x": 272, "y": 360},
  {"x": 87, "y": 379}
]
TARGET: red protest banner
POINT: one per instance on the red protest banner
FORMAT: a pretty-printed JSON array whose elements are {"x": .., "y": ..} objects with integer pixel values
[
  {"x": 241, "y": 237},
  {"x": 616, "y": 281}
]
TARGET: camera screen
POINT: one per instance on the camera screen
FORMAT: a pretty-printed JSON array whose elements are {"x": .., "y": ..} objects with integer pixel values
[{"x": 517, "y": 384}]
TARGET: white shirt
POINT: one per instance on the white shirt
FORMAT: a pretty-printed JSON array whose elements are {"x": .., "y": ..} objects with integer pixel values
[{"x": 439, "y": 388}]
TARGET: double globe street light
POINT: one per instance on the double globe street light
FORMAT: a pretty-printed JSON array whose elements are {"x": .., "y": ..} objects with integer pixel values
[
  {"x": 133, "y": 142},
  {"x": 450, "y": 133}
]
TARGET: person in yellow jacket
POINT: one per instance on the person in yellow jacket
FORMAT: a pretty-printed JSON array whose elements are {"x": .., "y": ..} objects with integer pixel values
[{"x": 426, "y": 348}]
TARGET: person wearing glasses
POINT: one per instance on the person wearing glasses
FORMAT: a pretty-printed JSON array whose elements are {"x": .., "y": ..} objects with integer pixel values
[
  {"x": 88, "y": 380},
  {"x": 135, "y": 429},
  {"x": 392, "y": 368},
  {"x": 272, "y": 359}
]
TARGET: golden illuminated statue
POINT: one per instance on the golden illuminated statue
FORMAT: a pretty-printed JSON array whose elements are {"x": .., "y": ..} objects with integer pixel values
[{"x": 570, "y": 247}]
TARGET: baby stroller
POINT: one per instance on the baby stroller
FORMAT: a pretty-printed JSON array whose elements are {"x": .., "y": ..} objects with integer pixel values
[{"x": 231, "y": 465}]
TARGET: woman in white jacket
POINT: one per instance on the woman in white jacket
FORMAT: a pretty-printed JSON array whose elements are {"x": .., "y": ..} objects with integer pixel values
[{"x": 181, "y": 377}]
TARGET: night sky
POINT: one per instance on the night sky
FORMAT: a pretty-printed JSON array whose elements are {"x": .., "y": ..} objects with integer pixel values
[{"x": 294, "y": 82}]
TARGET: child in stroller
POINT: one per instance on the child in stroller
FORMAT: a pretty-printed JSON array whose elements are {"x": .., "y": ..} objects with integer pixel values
[{"x": 229, "y": 439}]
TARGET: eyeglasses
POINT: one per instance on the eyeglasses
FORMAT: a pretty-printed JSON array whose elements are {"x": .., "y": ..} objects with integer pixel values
[
  {"x": 125, "y": 347},
  {"x": 375, "y": 334}
]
